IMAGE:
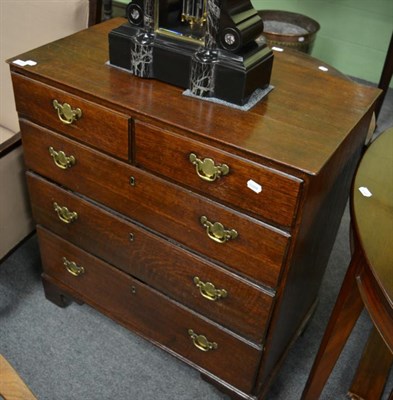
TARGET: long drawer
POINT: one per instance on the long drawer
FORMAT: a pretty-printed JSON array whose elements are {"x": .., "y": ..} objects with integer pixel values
[
  {"x": 83, "y": 120},
  {"x": 147, "y": 312},
  {"x": 252, "y": 187},
  {"x": 257, "y": 250},
  {"x": 191, "y": 280}
]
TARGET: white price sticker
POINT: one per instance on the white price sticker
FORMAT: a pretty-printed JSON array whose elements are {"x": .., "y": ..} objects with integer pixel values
[
  {"x": 365, "y": 192},
  {"x": 22, "y": 63},
  {"x": 255, "y": 187}
]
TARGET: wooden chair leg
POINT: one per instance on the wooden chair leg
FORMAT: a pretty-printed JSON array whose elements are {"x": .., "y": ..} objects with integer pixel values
[
  {"x": 373, "y": 369},
  {"x": 11, "y": 384},
  {"x": 386, "y": 76},
  {"x": 346, "y": 311}
]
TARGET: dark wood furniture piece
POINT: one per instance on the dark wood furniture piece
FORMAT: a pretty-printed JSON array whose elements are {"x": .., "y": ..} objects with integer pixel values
[
  {"x": 95, "y": 12},
  {"x": 386, "y": 76},
  {"x": 368, "y": 282},
  {"x": 202, "y": 228}
]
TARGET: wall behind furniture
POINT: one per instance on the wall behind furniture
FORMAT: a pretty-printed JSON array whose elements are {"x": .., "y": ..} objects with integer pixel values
[{"x": 354, "y": 34}]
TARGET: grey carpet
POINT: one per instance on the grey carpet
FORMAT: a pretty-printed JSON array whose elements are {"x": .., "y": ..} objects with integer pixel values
[{"x": 77, "y": 354}]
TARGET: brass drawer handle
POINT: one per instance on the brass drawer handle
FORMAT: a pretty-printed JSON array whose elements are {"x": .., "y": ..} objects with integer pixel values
[
  {"x": 209, "y": 291},
  {"x": 61, "y": 159},
  {"x": 206, "y": 169},
  {"x": 217, "y": 232},
  {"x": 64, "y": 214},
  {"x": 73, "y": 268},
  {"x": 66, "y": 113},
  {"x": 201, "y": 342}
]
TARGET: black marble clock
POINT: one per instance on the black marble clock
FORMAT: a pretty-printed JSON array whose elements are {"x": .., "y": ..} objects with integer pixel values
[{"x": 207, "y": 46}]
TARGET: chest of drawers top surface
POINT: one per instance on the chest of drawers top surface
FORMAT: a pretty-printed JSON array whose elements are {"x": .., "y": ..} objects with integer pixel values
[{"x": 299, "y": 125}]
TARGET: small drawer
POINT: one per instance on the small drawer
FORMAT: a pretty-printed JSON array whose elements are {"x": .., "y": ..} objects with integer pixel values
[
  {"x": 191, "y": 280},
  {"x": 256, "y": 249},
  {"x": 262, "y": 191},
  {"x": 184, "y": 333},
  {"x": 85, "y": 121}
]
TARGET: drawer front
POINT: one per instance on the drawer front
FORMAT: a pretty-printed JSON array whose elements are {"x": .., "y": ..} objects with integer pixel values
[
  {"x": 228, "y": 300},
  {"x": 261, "y": 191},
  {"x": 149, "y": 313},
  {"x": 97, "y": 126},
  {"x": 257, "y": 251}
]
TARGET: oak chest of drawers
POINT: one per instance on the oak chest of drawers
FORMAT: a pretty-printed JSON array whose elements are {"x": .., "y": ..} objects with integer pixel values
[{"x": 202, "y": 228}]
